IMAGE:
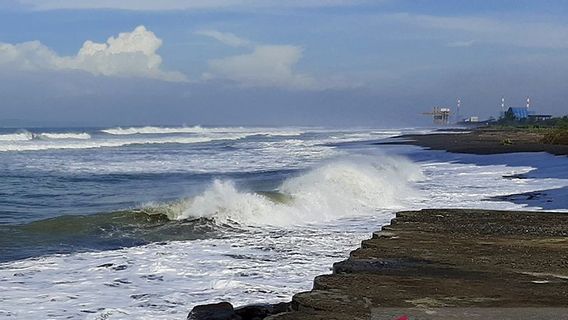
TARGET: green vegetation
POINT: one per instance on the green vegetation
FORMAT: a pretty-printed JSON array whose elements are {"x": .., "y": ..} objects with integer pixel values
[
  {"x": 506, "y": 142},
  {"x": 553, "y": 130},
  {"x": 509, "y": 120},
  {"x": 556, "y": 136}
]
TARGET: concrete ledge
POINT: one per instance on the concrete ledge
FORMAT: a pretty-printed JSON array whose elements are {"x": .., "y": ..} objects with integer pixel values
[{"x": 447, "y": 259}]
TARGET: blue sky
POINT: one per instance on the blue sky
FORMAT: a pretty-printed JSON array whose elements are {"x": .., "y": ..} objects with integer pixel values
[{"x": 320, "y": 62}]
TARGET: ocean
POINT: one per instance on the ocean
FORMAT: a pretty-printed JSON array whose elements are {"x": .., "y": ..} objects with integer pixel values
[{"x": 146, "y": 222}]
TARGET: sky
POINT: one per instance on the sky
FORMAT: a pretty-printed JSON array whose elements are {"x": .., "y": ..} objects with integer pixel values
[{"x": 374, "y": 63}]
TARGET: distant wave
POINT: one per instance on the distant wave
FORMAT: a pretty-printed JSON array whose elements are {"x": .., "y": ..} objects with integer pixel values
[
  {"x": 201, "y": 130},
  {"x": 24, "y": 135},
  {"x": 56, "y": 136},
  {"x": 18, "y": 136},
  {"x": 37, "y": 145},
  {"x": 166, "y": 130}
]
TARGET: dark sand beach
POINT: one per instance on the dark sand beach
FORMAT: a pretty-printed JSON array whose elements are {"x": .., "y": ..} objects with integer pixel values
[{"x": 484, "y": 141}]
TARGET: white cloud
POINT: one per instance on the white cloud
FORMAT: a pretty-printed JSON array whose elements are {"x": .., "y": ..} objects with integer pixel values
[
  {"x": 130, "y": 54},
  {"x": 225, "y": 37},
  {"x": 267, "y": 65},
  {"x": 148, "y": 5}
]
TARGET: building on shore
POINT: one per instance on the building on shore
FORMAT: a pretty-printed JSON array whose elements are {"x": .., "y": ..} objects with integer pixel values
[{"x": 523, "y": 113}]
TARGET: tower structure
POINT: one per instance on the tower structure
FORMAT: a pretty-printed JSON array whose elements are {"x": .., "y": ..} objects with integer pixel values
[
  {"x": 528, "y": 102},
  {"x": 458, "y": 116}
]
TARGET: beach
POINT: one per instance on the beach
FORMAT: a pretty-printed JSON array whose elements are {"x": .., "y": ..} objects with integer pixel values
[
  {"x": 485, "y": 141},
  {"x": 149, "y": 222},
  {"x": 282, "y": 160},
  {"x": 445, "y": 263}
]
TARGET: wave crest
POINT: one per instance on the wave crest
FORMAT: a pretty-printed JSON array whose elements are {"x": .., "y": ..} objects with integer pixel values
[
  {"x": 63, "y": 136},
  {"x": 337, "y": 189},
  {"x": 18, "y": 136},
  {"x": 152, "y": 130},
  {"x": 200, "y": 130},
  {"x": 24, "y": 135}
]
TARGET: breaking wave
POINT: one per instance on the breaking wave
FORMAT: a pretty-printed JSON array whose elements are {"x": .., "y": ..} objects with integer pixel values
[
  {"x": 90, "y": 144},
  {"x": 153, "y": 130},
  {"x": 18, "y": 136},
  {"x": 24, "y": 135},
  {"x": 197, "y": 130},
  {"x": 337, "y": 189},
  {"x": 63, "y": 136}
]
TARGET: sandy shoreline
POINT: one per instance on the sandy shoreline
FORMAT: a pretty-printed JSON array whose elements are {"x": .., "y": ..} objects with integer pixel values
[{"x": 483, "y": 141}]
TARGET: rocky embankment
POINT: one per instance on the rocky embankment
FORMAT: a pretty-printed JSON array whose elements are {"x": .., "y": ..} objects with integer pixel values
[{"x": 431, "y": 259}]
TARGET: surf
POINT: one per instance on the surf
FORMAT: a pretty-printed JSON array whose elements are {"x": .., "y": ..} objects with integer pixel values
[
  {"x": 151, "y": 130},
  {"x": 65, "y": 142},
  {"x": 337, "y": 189},
  {"x": 21, "y": 135},
  {"x": 62, "y": 136}
]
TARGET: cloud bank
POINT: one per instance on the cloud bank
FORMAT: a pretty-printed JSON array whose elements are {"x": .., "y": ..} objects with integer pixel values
[
  {"x": 150, "y": 5},
  {"x": 130, "y": 54}
]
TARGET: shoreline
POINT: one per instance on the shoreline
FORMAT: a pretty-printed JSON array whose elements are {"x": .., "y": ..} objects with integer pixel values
[
  {"x": 437, "y": 259},
  {"x": 482, "y": 141}
]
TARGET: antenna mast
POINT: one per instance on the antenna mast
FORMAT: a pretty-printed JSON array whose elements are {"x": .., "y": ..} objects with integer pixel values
[
  {"x": 528, "y": 102},
  {"x": 458, "y": 110}
]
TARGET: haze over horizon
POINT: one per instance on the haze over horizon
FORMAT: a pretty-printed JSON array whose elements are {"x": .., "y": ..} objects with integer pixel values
[{"x": 311, "y": 62}]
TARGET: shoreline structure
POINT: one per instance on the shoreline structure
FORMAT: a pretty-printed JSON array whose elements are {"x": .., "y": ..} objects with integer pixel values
[{"x": 442, "y": 263}]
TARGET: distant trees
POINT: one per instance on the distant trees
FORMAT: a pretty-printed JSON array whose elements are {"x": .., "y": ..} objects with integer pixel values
[{"x": 508, "y": 118}]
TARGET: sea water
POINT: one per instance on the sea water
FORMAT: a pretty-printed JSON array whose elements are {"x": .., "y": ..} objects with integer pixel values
[{"x": 146, "y": 222}]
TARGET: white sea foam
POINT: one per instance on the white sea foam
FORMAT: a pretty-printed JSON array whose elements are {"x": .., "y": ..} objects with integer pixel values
[
  {"x": 164, "y": 281},
  {"x": 68, "y": 143},
  {"x": 24, "y": 135},
  {"x": 19, "y": 136},
  {"x": 199, "y": 130},
  {"x": 63, "y": 136},
  {"x": 268, "y": 263},
  {"x": 337, "y": 189},
  {"x": 152, "y": 130}
]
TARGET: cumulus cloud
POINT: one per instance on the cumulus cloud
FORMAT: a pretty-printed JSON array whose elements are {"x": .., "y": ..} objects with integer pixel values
[
  {"x": 266, "y": 65},
  {"x": 130, "y": 54}
]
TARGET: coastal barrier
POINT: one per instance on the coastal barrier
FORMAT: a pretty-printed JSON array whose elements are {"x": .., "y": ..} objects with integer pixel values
[{"x": 440, "y": 264}]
